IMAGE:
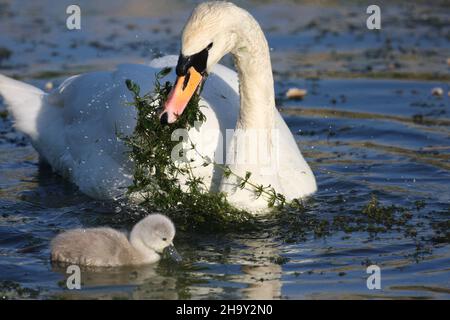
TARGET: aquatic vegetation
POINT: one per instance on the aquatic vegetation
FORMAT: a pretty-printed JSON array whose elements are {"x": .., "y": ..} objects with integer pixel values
[
  {"x": 156, "y": 175},
  {"x": 13, "y": 290},
  {"x": 156, "y": 178},
  {"x": 379, "y": 214},
  {"x": 442, "y": 231},
  {"x": 279, "y": 260}
]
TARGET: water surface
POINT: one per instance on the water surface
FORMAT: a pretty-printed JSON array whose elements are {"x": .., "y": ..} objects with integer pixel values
[{"x": 368, "y": 126}]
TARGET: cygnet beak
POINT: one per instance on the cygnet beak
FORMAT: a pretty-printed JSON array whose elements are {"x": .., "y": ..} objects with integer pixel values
[{"x": 173, "y": 253}]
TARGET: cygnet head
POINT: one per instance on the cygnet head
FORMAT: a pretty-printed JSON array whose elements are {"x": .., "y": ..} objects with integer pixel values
[{"x": 155, "y": 232}]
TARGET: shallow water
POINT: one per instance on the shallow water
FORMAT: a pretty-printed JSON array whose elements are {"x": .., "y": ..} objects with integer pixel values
[{"x": 362, "y": 132}]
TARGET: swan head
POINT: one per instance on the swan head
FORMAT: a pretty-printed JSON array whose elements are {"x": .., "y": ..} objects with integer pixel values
[
  {"x": 155, "y": 233},
  {"x": 209, "y": 34}
]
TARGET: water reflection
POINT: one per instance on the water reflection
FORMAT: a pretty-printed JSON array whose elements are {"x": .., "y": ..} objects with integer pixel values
[
  {"x": 263, "y": 277},
  {"x": 143, "y": 282}
]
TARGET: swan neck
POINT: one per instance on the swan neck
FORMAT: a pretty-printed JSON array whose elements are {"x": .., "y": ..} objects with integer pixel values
[{"x": 256, "y": 85}]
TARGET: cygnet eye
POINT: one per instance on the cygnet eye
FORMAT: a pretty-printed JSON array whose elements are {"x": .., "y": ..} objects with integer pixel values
[{"x": 164, "y": 239}]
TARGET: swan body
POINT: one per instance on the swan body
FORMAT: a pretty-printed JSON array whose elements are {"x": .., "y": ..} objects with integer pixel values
[
  {"x": 106, "y": 247},
  {"x": 75, "y": 126}
]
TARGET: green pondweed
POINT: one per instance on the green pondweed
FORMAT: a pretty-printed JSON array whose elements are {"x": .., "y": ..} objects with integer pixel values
[{"x": 156, "y": 175}]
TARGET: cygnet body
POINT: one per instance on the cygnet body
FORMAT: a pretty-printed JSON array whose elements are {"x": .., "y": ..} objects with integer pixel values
[{"x": 106, "y": 247}]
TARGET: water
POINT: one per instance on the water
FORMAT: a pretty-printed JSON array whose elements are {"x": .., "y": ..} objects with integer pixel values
[{"x": 368, "y": 126}]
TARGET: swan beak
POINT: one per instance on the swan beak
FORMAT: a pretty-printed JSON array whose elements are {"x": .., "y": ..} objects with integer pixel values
[
  {"x": 173, "y": 253},
  {"x": 180, "y": 95}
]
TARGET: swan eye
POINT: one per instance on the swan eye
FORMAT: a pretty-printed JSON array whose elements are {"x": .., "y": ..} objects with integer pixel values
[
  {"x": 209, "y": 46},
  {"x": 164, "y": 239}
]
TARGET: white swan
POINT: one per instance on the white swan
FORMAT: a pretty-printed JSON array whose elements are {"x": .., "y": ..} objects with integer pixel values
[
  {"x": 74, "y": 127},
  {"x": 106, "y": 247}
]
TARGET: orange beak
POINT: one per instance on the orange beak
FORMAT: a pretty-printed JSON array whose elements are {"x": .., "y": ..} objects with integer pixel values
[{"x": 180, "y": 95}]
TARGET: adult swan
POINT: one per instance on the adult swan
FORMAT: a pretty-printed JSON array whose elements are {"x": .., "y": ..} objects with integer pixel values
[{"x": 74, "y": 127}]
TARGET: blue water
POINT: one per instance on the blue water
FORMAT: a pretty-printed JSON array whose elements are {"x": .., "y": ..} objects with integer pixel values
[{"x": 364, "y": 132}]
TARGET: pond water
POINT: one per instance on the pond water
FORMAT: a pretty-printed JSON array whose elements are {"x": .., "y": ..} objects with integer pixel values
[{"x": 369, "y": 127}]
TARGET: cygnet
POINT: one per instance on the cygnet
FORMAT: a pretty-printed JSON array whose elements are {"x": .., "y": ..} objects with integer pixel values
[{"x": 106, "y": 247}]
